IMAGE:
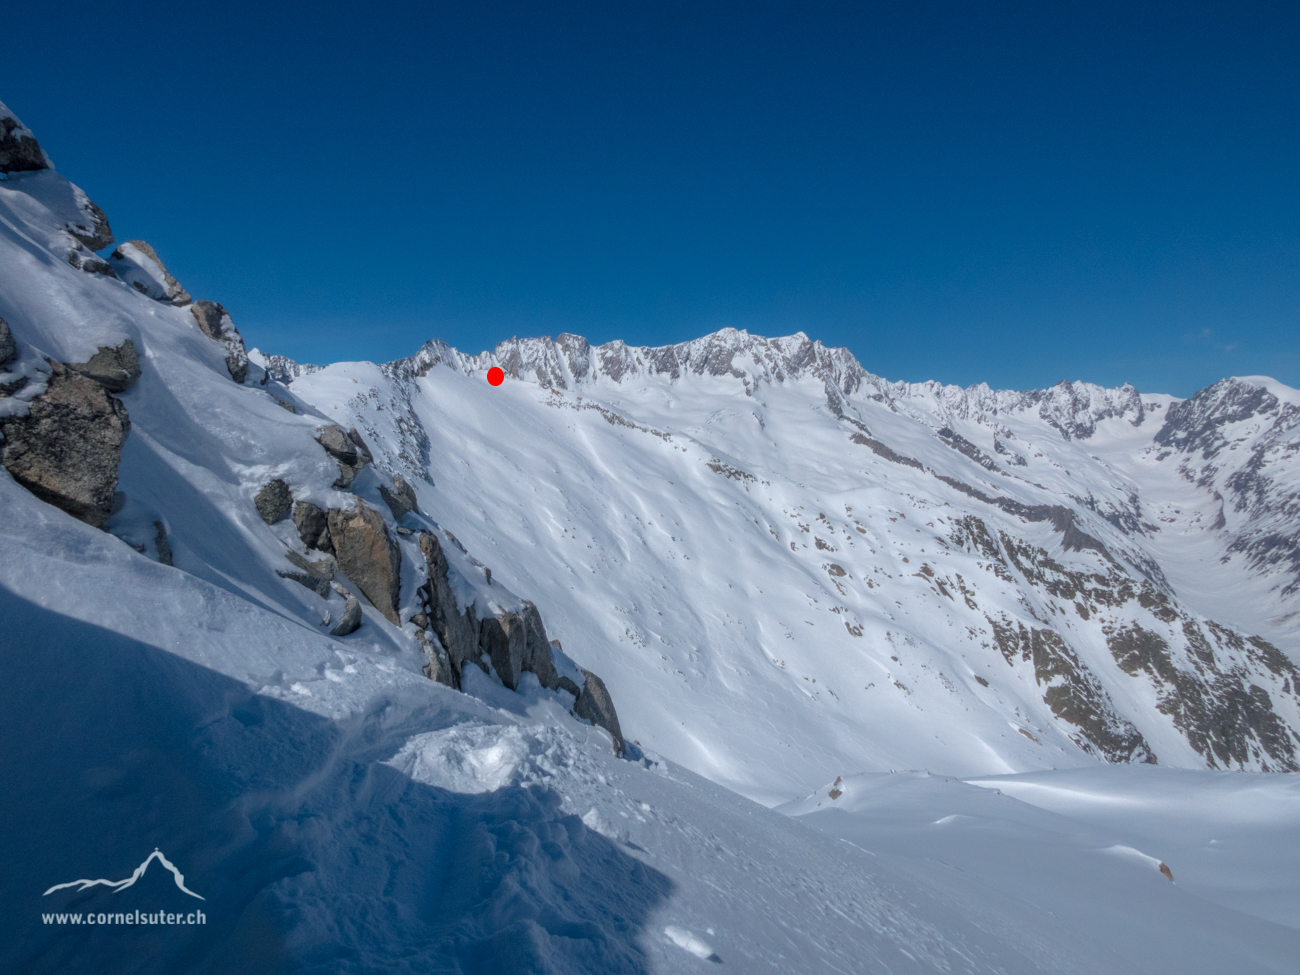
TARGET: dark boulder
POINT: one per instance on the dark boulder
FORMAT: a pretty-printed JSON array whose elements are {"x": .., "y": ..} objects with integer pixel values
[
  {"x": 368, "y": 556},
  {"x": 215, "y": 322},
  {"x": 138, "y": 265},
  {"x": 594, "y": 705},
  {"x": 401, "y": 499},
  {"x": 116, "y": 368},
  {"x": 66, "y": 450},
  {"x": 313, "y": 526},
  {"x": 274, "y": 501}
]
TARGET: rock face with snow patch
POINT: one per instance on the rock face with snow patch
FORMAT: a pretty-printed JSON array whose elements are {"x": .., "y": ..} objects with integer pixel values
[
  {"x": 66, "y": 450},
  {"x": 138, "y": 264},
  {"x": 368, "y": 556},
  {"x": 19, "y": 150},
  {"x": 116, "y": 368},
  {"x": 401, "y": 499},
  {"x": 348, "y": 449},
  {"x": 215, "y": 323}
]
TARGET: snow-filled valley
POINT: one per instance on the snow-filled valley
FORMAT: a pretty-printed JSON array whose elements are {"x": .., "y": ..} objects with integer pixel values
[{"x": 907, "y": 678}]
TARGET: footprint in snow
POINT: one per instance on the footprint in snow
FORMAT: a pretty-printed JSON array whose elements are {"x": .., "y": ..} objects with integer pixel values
[{"x": 689, "y": 941}]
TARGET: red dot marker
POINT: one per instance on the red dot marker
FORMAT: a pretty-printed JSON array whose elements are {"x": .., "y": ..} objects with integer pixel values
[{"x": 496, "y": 376}]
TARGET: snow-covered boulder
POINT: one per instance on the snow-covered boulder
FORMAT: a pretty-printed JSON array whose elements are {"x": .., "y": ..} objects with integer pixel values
[
  {"x": 368, "y": 556},
  {"x": 67, "y": 448},
  {"x": 138, "y": 264},
  {"x": 215, "y": 323}
]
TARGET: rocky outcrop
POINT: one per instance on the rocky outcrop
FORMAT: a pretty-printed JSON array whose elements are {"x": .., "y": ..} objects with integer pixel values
[
  {"x": 19, "y": 150},
  {"x": 138, "y": 264},
  {"x": 401, "y": 499},
  {"x": 93, "y": 231},
  {"x": 457, "y": 631},
  {"x": 83, "y": 260},
  {"x": 348, "y": 449},
  {"x": 537, "y": 650},
  {"x": 351, "y": 619},
  {"x": 368, "y": 556},
  {"x": 504, "y": 639},
  {"x": 116, "y": 368},
  {"x": 8, "y": 347},
  {"x": 516, "y": 644},
  {"x": 214, "y": 321},
  {"x": 67, "y": 448},
  {"x": 595, "y": 705},
  {"x": 274, "y": 501},
  {"x": 313, "y": 526}
]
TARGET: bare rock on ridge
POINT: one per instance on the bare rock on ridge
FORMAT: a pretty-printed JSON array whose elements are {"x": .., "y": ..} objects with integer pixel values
[
  {"x": 138, "y": 265},
  {"x": 274, "y": 501},
  {"x": 215, "y": 323},
  {"x": 66, "y": 450},
  {"x": 19, "y": 150},
  {"x": 116, "y": 368},
  {"x": 368, "y": 556},
  {"x": 401, "y": 500}
]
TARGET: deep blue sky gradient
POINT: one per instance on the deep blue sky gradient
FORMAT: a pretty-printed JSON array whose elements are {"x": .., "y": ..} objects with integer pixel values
[{"x": 1008, "y": 192}]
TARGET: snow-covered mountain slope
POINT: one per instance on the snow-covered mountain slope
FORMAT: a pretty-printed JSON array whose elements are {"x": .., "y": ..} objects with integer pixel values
[
  {"x": 221, "y": 608},
  {"x": 787, "y": 568}
]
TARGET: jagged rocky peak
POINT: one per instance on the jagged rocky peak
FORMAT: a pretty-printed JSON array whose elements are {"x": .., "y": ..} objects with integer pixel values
[
  {"x": 569, "y": 361},
  {"x": 19, "y": 150},
  {"x": 1200, "y": 423}
]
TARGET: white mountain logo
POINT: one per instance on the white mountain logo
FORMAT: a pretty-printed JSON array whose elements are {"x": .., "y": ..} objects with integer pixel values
[{"x": 123, "y": 884}]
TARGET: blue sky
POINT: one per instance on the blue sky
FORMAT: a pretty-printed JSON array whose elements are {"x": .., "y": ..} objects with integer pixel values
[{"x": 1015, "y": 193}]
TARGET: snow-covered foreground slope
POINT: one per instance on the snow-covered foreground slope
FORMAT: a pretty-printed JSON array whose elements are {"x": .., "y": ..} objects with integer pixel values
[
  {"x": 786, "y": 570},
  {"x": 339, "y": 812}
]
